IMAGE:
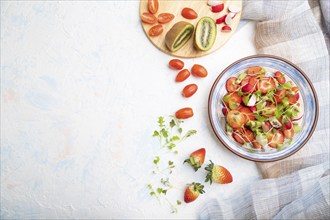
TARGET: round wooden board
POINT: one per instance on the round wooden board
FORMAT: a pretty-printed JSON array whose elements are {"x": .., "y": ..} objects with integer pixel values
[{"x": 200, "y": 6}]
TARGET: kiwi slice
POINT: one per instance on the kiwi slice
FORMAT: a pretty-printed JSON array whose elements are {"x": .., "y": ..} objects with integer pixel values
[
  {"x": 178, "y": 35},
  {"x": 205, "y": 34}
]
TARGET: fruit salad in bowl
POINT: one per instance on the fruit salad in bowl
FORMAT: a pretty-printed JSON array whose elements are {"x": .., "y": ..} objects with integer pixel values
[{"x": 263, "y": 108}]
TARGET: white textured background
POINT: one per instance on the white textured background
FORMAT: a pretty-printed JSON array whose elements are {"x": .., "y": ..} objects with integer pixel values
[{"x": 81, "y": 90}]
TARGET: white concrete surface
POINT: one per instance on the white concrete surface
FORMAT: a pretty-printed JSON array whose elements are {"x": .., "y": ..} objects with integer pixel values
[{"x": 81, "y": 90}]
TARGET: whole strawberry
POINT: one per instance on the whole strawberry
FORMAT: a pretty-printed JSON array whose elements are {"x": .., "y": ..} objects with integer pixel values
[
  {"x": 218, "y": 174},
  {"x": 196, "y": 158},
  {"x": 192, "y": 192}
]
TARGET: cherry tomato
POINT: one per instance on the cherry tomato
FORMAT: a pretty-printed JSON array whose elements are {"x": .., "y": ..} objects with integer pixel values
[
  {"x": 295, "y": 89},
  {"x": 288, "y": 133},
  {"x": 182, "y": 75},
  {"x": 266, "y": 84},
  {"x": 247, "y": 113},
  {"x": 238, "y": 137},
  {"x": 269, "y": 110},
  {"x": 279, "y": 77},
  {"x": 247, "y": 135},
  {"x": 279, "y": 95},
  {"x": 165, "y": 18},
  {"x": 156, "y": 30},
  {"x": 293, "y": 98},
  {"x": 148, "y": 18},
  {"x": 176, "y": 64},
  {"x": 232, "y": 97},
  {"x": 184, "y": 113},
  {"x": 231, "y": 86},
  {"x": 189, "y": 90},
  {"x": 198, "y": 71},
  {"x": 254, "y": 70},
  {"x": 189, "y": 13},
  {"x": 256, "y": 144},
  {"x": 153, "y": 6},
  {"x": 235, "y": 119},
  {"x": 276, "y": 138}
]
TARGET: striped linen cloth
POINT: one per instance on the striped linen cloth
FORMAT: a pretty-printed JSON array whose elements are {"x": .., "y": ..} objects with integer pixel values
[{"x": 297, "y": 187}]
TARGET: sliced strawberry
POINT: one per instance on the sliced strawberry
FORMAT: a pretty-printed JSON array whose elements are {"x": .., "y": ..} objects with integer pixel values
[
  {"x": 279, "y": 77},
  {"x": 235, "y": 119},
  {"x": 253, "y": 108},
  {"x": 266, "y": 84},
  {"x": 218, "y": 174},
  {"x": 231, "y": 86},
  {"x": 279, "y": 95},
  {"x": 247, "y": 135},
  {"x": 254, "y": 70},
  {"x": 276, "y": 138},
  {"x": 193, "y": 191},
  {"x": 245, "y": 81},
  {"x": 286, "y": 122},
  {"x": 247, "y": 113},
  {"x": 196, "y": 158},
  {"x": 265, "y": 126},
  {"x": 295, "y": 89},
  {"x": 288, "y": 133}
]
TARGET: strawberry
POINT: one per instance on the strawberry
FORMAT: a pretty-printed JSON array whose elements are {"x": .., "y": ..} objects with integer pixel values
[
  {"x": 192, "y": 192},
  {"x": 218, "y": 174},
  {"x": 196, "y": 158}
]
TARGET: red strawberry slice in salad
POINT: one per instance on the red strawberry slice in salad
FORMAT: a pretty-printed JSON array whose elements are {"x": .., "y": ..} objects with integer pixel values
[
  {"x": 218, "y": 174},
  {"x": 288, "y": 133},
  {"x": 193, "y": 191},
  {"x": 279, "y": 95},
  {"x": 254, "y": 71},
  {"x": 247, "y": 113},
  {"x": 279, "y": 77},
  {"x": 235, "y": 119},
  {"x": 196, "y": 158}
]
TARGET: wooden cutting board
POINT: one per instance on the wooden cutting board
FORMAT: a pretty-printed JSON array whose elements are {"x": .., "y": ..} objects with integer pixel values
[{"x": 200, "y": 6}]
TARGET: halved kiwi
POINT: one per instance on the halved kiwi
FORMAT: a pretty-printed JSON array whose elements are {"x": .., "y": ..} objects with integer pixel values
[
  {"x": 205, "y": 34},
  {"x": 178, "y": 35}
]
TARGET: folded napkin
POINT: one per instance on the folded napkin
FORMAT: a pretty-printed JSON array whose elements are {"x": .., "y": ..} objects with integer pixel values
[{"x": 297, "y": 187}]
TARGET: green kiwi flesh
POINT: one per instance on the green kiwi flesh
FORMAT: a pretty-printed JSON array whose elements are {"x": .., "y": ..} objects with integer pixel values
[
  {"x": 178, "y": 35},
  {"x": 205, "y": 34}
]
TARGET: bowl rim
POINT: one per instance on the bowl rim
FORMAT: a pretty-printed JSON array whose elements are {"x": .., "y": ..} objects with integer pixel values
[{"x": 300, "y": 71}]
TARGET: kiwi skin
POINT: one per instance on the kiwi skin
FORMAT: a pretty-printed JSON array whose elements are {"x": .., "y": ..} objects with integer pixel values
[
  {"x": 211, "y": 39},
  {"x": 174, "y": 33}
]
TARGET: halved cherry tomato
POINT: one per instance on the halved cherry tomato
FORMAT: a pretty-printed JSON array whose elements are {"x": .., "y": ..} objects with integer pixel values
[
  {"x": 156, "y": 30},
  {"x": 248, "y": 135},
  {"x": 233, "y": 97},
  {"x": 279, "y": 95},
  {"x": 279, "y": 77},
  {"x": 276, "y": 138},
  {"x": 288, "y": 133},
  {"x": 293, "y": 98},
  {"x": 182, "y": 75},
  {"x": 266, "y": 84},
  {"x": 165, "y": 18},
  {"x": 148, "y": 18},
  {"x": 254, "y": 70},
  {"x": 189, "y": 90},
  {"x": 238, "y": 137},
  {"x": 231, "y": 86},
  {"x": 184, "y": 113},
  {"x": 247, "y": 113},
  {"x": 235, "y": 119},
  {"x": 256, "y": 144},
  {"x": 176, "y": 64},
  {"x": 198, "y": 71},
  {"x": 189, "y": 13},
  {"x": 153, "y": 6},
  {"x": 295, "y": 89},
  {"x": 269, "y": 110}
]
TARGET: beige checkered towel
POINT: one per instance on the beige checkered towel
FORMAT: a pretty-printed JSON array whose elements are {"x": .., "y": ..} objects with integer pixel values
[{"x": 297, "y": 187}]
